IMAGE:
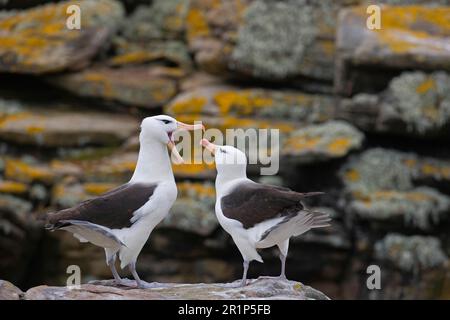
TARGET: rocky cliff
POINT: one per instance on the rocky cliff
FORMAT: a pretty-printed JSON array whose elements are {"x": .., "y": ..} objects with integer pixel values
[{"x": 363, "y": 115}]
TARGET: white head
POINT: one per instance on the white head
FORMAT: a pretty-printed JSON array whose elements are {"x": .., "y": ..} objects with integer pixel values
[
  {"x": 161, "y": 129},
  {"x": 231, "y": 163}
]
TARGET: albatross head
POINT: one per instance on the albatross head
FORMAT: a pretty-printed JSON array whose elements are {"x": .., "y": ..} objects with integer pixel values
[
  {"x": 230, "y": 161},
  {"x": 162, "y": 128}
]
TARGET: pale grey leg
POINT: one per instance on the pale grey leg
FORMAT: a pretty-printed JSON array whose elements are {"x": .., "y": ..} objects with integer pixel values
[
  {"x": 283, "y": 266},
  {"x": 112, "y": 266},
  {"x": 244, "y": 276},
  {"x": 132, "y": 268}
]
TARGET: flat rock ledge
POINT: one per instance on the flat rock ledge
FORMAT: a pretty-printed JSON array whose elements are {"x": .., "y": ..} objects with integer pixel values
[{"x": 261, "y": 288}]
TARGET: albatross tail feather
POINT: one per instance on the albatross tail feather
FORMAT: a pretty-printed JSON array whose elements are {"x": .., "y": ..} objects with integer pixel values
[
  {"x": 90, "y": 232},
  {"x": 295, "y": 225}
]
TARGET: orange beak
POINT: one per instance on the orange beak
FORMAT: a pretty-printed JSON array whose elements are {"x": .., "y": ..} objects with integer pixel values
[
  {"x": 177, "y": 158},
  {"x": 211, "y": 147}
]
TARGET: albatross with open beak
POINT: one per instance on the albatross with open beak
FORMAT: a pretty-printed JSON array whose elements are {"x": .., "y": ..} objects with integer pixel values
[
  {"x": 122, "y": 219},
  {"x": 257, "y": 215}
]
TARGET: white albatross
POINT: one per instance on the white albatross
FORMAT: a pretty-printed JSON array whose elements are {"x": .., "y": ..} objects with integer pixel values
[
  {"x": 122, "y": 219},
  {"x": 257, "y": 215}
]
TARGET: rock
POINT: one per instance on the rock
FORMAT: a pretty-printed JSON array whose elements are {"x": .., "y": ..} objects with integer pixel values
[
  {"x": 19, "y": 237},
  {"x": 162, "y": 20},
  {"x": 240, "y": 36},
  {"x": 193, "y": 211},
  {"x": 333, "y": 139},
  {"x": 172, "y": 53},
  {"x": 414, "y": 104},
  {"x": 13, "y": 187},
  {"x": 261, "y": 288},
  {"x": 28, "y": 170},
  {"x": 142, "y": 86},
  {"x": 393, "y": 194},
  {"x": 8, "y": 291},
  {"x": 65, "y": 195},
  {"x": 37, "y": 40},
  {"x": 237, "y": 106},
  {"x": 411, "y": 253},
  {"x": 53, "y": 127},
  {"x": 411, "y": 37}
]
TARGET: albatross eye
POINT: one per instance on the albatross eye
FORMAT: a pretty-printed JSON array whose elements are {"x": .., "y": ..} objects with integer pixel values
[
  {"x": 165, "y": 121},
  {"x": 223, "y": 151}
]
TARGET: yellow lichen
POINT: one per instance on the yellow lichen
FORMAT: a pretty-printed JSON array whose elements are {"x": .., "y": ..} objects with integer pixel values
[
  {"x": 21, "y": 171},
  {"x": 191, "y": 105},
  {"x": 13, "y": 187},
  {"x": 302, "y": 143},
  {"x": 98, "y": 188},
  {"x": 199, "y": 189},
  {"x": 339, "y": 146},
  {"x": 352, "y": 175},
  {"x": 243, "y": 102},
  {"x": 426, "y": 86},
  {"x": 197, "y": 26}
]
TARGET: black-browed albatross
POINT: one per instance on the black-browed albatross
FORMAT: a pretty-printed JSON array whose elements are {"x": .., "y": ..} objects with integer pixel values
[
  {"x": 257, "y": 215},
  {"x": 122, "y": 219}
]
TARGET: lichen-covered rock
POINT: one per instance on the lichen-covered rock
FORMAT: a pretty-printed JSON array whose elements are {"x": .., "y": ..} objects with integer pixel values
[
  {"x": 66, "y": 194},
  {"x": 333, "y": 139},
  {"x": 13, "y": 187},
  {"x": 261, "y": 288},
  {"x": 8, "y": 291},
  {"x": 193, "y": 211},
  {"x": 162, "y": 20},
  {"x": 27, "y": 170},
  {"x": 411, "y": 253},
  {"x": 244, "y": 36},
  {"x": 384, "y": 185},
  {"x": 143, "y": 86},
  {"x": 38, "y": 41},
  {"x": 410, "y": 37},
  {"x": 245, "y": 105},
  {"x": 420, "y": 207},
  {"x": 415, "y": 103},
  {"x": 58, "y": 128}
]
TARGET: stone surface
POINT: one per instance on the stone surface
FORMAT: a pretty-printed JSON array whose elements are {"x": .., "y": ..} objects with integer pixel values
[
  {"x": 411, "y": 254},
  {"x": 8, "y": 291},
  {"x": 395, "y": 193},
  {"x": 141, "y": 86},
  {"x": 414, "y": 104},
  {"x": 37, "y": 40},
  {"x": 243, "y": 36},
  {"x": 320, "y": 142},
  {"x": 56, "y": 127},
  {"x": 410, "y": 37},
  {"x": 261, "y": 288}
]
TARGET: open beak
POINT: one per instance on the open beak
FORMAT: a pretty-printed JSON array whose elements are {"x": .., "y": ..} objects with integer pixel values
[
  {"x": 189, "y": 127},
  {"x": 211, "y": 147},
  {"x": 177, "y": 158}
]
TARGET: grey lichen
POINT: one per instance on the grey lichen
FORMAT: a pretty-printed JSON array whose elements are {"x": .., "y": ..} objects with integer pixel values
[
  {"x": 332, "y": 139},
  {"x": 411, "y": 253},
  {"x": 273, "y": 39},
  {"x": 382, "y": 184},
  {"x": 368, "y": 166},
  {"x": 163, "y": 19},
  {"x": 422, "y": 101},
  {"x": 421, "y": 207}
]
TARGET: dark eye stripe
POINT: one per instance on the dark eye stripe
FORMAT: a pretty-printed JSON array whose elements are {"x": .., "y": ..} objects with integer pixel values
[
  {"x": 165, "y": 121},
  {"x": 223, "y": 151}
]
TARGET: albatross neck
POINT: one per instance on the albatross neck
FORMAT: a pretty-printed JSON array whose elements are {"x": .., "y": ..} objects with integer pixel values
[{"x": 153, "y": 164}]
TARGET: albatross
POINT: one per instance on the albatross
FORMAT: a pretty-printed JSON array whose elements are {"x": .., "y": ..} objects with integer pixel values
[
  {"x": 258, "y": 216},
  {"x": 121, "y": 220}
]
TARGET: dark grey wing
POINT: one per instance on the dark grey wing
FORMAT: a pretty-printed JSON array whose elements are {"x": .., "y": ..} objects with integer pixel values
[
  {"x": 113, "y": 209},
  {"x": 251, "y": 203}
]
